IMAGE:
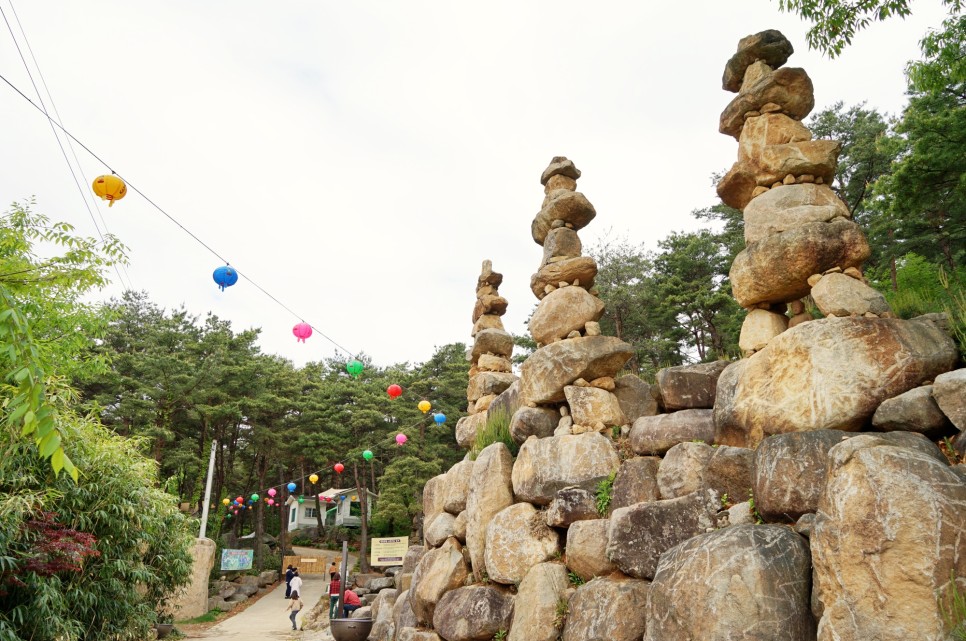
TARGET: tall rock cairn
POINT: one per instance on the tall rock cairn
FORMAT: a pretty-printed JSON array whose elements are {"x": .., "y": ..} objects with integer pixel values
[
  {"x": 571, "y": 373},
  {"x": 490, "y": 365},
  {"x": 800, "y": 239}
]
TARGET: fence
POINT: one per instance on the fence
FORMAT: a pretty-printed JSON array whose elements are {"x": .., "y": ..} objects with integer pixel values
[{"x": 318, "y": 565}]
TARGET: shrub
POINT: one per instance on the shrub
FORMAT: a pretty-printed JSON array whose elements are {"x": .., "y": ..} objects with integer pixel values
[
  {"x": 604, "y": 493},
  {"x": 496, "y": 430}
]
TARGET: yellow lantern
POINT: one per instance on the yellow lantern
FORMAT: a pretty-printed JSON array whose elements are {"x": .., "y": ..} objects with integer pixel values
[
  {"x": 225, "y": 501},
  {"x": 424, "y": 406},
  {"x": 355, "y": 498},
  {"x": 109, "y": 188},
  {"x": 313, "y": 478}
]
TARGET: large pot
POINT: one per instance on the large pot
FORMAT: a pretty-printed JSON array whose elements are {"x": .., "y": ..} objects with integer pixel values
[
  {"x": 164, "y": 629},
  {"x": 351, "y": 629}
]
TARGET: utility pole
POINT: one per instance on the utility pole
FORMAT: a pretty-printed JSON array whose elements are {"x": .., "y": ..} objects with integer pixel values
[{"x": 204, "y": 506}]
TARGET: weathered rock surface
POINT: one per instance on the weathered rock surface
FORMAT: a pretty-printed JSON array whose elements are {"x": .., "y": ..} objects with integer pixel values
[
  {"x": 826, "y": 374},
  {"x": 559, "y": 166},
  {"x": 913, "y": 411},
  {"x": 490, "y": 492},
  {"x": 729, "y": 471},
  {"x": 562, "y": 204},
  {"x": 547, "y": 465},
  {"x": 590, "y": 406},
  {"x": 681, "y": 471},
  {"x": 686, "y": 387},
  {"x": 742, "y": 582},
  {"x": 636, "y": 482},
  {"x": 468, "y": 427},
  {"x": 439, "y": 529},
  {"x": 841, "y": 295},
  {"x": 587, "y": 549},
  {"x": 533, "y": 421},
  {"x": 518, "y": 538},
  {"x": 561, "y": 241},
  {"x": 439, "y": 571},
  {"x": 636, "y": 397},
  {"x": 486, "y": 383},
  {"x": 571, "y": 504},
  {"x": 949, "y": 390},
  {"x": 783, "y": 208},
  {"x": 548, "y": 370},
  {"x": 535, "y": 605},
  {"x": 658, "y": 434},
  {"x": 563, "y": 311},
  {"x": 508, "y": 401},
  {"x": 888, "y": 533},
  {"x": 434, "y": 497},
  {"x": 610, "y": 608},
  {"x": 788, "y": 87},
  {"x": 413, "y": 556},
  {"x": 776, "y": 268},
  {"x": 492, "y": 341},
  {"x": 641, "y": 533},
  {"x": 402, "y": 612},
  {"x": 769, "y": 46},
  {"x": 473, "y": 613},
  {"x": 582, "y": 269},
  {"x": 816, "y": 158},
  {"x": 459, "y": 527},
  {"x": 768, "y": 129},
  {"x": 758, "y": 328},
  {"x": 457, "y": 487}
]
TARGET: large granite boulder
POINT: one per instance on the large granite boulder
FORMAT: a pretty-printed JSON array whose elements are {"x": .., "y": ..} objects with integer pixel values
[
  {"x": 548, "y": 370},
  {"x": 492, "y": 341},
  {"x": 742, "y": 582},
  {"x": 434, "y": 497},
  {"x": 949, "y": 390},
  {"x": 439, "y": 529},
  {"x": 439, "y": 571},
  {"x": 486, "y": 383},
  {"x": 490, "y": 492},
  {"x": 681, "y": 471},
  {"x": 587, "y": 549},
  {"x": 783, "y": 208},
  {"x": 507, "y": 401},
  {"x": 636, "y": 397},
  {"x": 580, "y": 270},
  {"x": 457, "y": 487},
  {"x": 563, "y": 311},
  {"x": 403, "y": 615},
  {"x": 841, "y": 295},
  {"x": 887, "y": 536},
  {"x": 473, "y": 613},
  {"x": 641, "y": 533},
  {"x": 559, "y": 166},
  {"x": 562, "y": 204},
  {"x": 590, "y": 406},
  {"x": 758, "y": 328},
  {"x": 382, "y": 613},
  {"x": 561, "y": 242},
  {"x": 468, "y": 427},
  {"x": 817, "y": 158},
  {"x": 636, "y": 482},
  {"x": 729, "y": 472},
  {"x": 547, "y": 465},
  {"x": 658, "y": 434},
  {"x": 533, "y": 421},
  {"x": 788, "y": 87},
  {"x": 571, "y": 504},
  {"x": 535, "y": 605},
  {"x": 610, "y": 608},
  {"x": 687, "y": 387},
  {"x": 769, "y": 46},
  {"x": 518, "y": 538},
  {"x": 765, "y": 130},
  {"x": 913, "y": 411},
  {"x": 776, "y": 268},
  {"x": 827, "y": 374}
]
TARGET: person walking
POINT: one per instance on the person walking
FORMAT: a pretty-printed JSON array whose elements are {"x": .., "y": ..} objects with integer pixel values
[
  {"x": 294, "y": 604},
  {"x": 296, "y": 583},
  {"x": 333, "y": 569},
  {"x": 334, "y": 586},
  {"x": 350, "y": 602},
  {"x": 289, "y": 573}
]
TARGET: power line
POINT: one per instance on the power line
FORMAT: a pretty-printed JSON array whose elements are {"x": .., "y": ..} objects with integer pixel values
[{"x": 171, "y": 218}]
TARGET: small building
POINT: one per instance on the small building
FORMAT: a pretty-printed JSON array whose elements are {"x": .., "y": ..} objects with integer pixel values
[{"x": 342, "y": 509}]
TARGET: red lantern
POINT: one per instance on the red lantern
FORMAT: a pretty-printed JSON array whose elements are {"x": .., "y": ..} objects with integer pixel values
[
  {"x": 338, "y": 467},
  {"x": 394, "y": 391}
]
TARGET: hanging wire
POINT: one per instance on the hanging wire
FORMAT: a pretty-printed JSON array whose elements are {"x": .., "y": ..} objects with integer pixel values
[
  {"x": 51, "y": 121},
  {"x": 134, "y": 188}
]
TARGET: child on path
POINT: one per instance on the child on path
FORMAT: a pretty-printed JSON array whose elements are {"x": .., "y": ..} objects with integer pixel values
[
  {"x": 296, "y": 583},
  {"x": 294, "y": 605},
  {"x": 334, "y": 586}
]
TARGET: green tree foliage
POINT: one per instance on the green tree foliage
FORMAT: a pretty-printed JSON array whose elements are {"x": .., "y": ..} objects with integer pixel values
[{"x": 835, "y": 22}]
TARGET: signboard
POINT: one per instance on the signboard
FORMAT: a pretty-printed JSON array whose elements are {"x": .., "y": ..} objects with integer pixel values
[
  {"x": 237, "y": 559},
  {"x": 388, "y": 551}
]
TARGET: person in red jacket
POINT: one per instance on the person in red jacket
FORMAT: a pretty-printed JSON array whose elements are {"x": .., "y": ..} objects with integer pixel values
[
  {"x": 334, "y": 586},
  {"x": 350, "y": 602}
]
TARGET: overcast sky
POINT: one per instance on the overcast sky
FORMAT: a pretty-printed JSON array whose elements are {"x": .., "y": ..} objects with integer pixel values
[{"x": 360, "y": 159}]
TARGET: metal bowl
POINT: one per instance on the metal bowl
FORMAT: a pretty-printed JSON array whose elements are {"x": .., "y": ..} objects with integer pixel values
[
  {"x": 351, "y": 629},
  {"x": 164, "y": 629}
]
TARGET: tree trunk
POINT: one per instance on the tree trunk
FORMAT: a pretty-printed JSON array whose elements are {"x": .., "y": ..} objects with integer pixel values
[
  {"x": 363, "y": 530},
  {"x": 283, "y": 522},
  {"x": 262, "y": 465}
]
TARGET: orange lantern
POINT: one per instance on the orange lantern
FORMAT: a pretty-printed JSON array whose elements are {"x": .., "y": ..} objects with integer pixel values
[{"x": 109, "y": 188}]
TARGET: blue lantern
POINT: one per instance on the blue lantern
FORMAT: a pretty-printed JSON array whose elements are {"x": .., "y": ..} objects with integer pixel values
[
  {"x": 440, "y": 418},
  {"x": 342, "y": 497},
  {"x": 225, "y": 276},
  {"x": 291, "y": 487}
]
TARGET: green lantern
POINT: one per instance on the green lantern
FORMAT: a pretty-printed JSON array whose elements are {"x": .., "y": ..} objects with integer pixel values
[
  {"x": 254, "y": 497},
  {"x": 354, "y": 368},
  {"x": 301, "y": 499},
  {"x": 367, "y": 455}
]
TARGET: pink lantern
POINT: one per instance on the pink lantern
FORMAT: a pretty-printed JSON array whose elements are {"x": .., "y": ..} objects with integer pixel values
[
  {"x": 271, "y": 491},
  {"x": 401, "y": 438},
  {"x": 271, "y": 501},
  {"x": 302, "y": 331},
  {"x": 235, "y": 512}
]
